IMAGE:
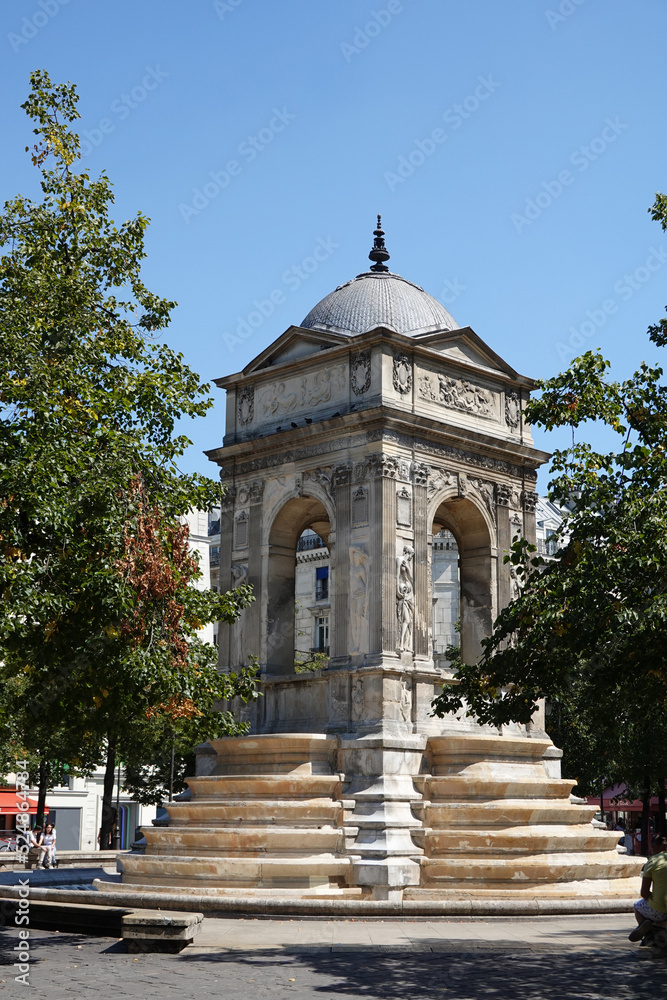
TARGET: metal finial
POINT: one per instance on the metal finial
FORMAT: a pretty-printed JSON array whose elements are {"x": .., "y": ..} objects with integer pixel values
[{"x": 379, "y": 253}]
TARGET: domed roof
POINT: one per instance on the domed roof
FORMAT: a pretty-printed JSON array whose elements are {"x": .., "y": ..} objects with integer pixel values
[{"x": 379, "y": 299}]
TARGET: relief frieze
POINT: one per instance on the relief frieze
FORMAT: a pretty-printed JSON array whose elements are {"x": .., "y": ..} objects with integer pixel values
[
  {"x": 457, "y": 394},
  {"x": 291, "y": 394}
]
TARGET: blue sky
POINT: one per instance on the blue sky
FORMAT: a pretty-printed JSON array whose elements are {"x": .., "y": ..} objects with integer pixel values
[{"x": 512, "y": 149}]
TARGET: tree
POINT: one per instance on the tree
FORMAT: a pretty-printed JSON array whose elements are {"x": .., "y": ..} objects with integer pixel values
[
  {"x": 590, "y": 628},
  {"x": 97, "y": 615}
]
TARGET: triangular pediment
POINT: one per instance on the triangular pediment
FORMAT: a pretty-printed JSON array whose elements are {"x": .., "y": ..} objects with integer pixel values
[
  {"x": 464, "y": 345},
  {"x": 294, "y": 344}
]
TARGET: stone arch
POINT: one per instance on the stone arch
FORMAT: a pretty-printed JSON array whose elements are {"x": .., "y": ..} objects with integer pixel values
[
  {"x": 474, "y": 534},
  {"x": 292, "y": 518}
]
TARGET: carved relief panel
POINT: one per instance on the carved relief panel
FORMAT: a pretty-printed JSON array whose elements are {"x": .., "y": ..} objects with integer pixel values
[
  {"x": 458, "y": 394},
  {"x": 301, "y": 391}
]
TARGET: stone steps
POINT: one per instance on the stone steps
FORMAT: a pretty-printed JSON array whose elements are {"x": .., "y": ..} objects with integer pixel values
[
  {"x": 464, "y": 789},
  {"x": 317, "y": 890},
  {"x": 223, "y": 872},
  {"x": 265, "y": 786},
  {"x": 468, "y": 870},
  {"x": 246, "y": 841},
  {"x": 237, "y": 812},
  {"x": 518, "y": 840},
  {"x": 503, "y": 813}
]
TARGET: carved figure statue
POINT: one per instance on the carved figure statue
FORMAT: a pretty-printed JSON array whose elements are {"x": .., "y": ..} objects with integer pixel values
[
  {"x": 358, "y": 598},
  {"x": 357, "y": 699},
  {"x": 405, "y": 597}
]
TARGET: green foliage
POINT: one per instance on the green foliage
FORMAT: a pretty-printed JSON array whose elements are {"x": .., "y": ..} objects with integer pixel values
[
  {"x": 589, "y": 629},
  {"x": 98, "y": 618},
  {"x": 305, "y": 663}
]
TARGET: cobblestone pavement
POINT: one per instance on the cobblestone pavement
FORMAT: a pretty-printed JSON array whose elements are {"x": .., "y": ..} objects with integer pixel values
[{"x": 69, "y": 965}]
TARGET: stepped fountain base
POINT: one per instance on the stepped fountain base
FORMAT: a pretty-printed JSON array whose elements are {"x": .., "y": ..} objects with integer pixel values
[{"x": 457, "y": 824}]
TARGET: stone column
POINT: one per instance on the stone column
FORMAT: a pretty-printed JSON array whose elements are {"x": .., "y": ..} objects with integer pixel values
[
  {"x": 503, "y": 498},
  {"x": 226, "y": 660},
  {"x": 382, "y": 598},
  {"x": 252, "y": 631},
  {"x": 341, "y": 569},
  {"x": 423, "y": 612}
]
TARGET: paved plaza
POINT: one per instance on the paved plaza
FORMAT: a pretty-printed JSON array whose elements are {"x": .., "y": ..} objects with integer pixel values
[{"x": 549, "y": 959}]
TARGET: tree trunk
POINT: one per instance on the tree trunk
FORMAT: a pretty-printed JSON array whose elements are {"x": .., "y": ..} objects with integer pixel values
[
  {"x": 646, "y": 811},
  {"x": 662, "y": 820},
  {"x": 108, "y": 811},
  {"x": 44, "y": 775}
]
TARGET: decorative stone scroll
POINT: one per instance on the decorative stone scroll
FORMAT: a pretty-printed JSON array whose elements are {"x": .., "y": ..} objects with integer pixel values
[
  {"x": 383, "y": 466},
  {"x": 457, "y": 394},
  {"x": 420, "y": 473},
  {"x": 404, "y": 507},
  {"x": 241, "y": 530},
  {"x": 251, "y": 492},
  {"x": 360, "y": 372},
  {"x": 512, "y": 410},
  {"x": 402, "y": 375},
  {"x": 246, "y": 404},
  {"x": 360, "y": 506},
  {"x": 529, "y": 501},
  {"x": 503, "y": 494}
]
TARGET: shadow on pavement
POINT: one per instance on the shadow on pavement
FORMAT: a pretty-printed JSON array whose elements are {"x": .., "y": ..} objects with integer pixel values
[{"x": 472, "y": 975}]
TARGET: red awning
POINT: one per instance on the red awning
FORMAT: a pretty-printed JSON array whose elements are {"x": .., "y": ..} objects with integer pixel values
[
  {"x": 612, "y": 802},
  {"x": 10, "y": 803}
]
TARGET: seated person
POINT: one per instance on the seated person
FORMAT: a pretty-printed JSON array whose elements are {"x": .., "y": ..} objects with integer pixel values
[
  {"x": 652, "y": 907},
  {"x": 49, "y": 842},
  {"x": 35, "y": 840}
]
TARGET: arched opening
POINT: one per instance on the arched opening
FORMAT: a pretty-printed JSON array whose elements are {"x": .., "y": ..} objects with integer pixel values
[
  {"x": 466, "y": 576},
  {"x": 445, "y": 593},
  {"x": 312, "y": 603},
  {"x": 300, "y": 523}
]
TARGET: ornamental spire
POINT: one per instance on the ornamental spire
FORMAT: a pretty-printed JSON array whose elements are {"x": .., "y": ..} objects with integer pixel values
[{"x": 379, "y": 253}]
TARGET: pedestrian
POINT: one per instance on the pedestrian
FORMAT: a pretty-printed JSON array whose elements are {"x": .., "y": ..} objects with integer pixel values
[
  {"x": 49, "y": 844},
  {"x": 652, "y": 907},
  {"x": 35, "y": 840}
]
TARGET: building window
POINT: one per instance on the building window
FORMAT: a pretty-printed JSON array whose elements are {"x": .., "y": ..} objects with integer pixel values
[
  {"x": 322, "y": 634},
  {"x": 215, "y": 555},
  {"x": 322, "y": 583}
]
